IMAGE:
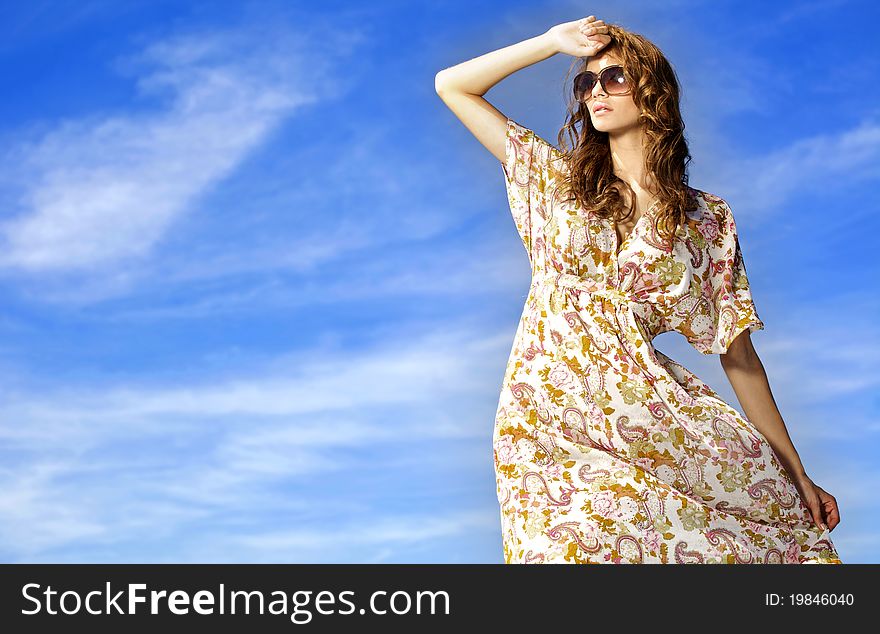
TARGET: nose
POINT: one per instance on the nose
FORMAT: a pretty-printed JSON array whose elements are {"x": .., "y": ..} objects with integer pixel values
[{"x": 597, "y": 90}]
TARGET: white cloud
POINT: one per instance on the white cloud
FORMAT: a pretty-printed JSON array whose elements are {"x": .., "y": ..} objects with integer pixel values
[
  {"x": 110, "y": 463},
  {"x": 108, "y": 188},
  {"x": 763, "y": 183}
]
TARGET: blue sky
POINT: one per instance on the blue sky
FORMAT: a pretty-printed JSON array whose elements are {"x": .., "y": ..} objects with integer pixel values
[{"x": 259, "y": 285}]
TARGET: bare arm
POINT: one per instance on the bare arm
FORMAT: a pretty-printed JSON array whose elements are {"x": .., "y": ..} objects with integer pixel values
[
  {"x": 749, "y": 380},
  {"x": 461, "y": 87}
]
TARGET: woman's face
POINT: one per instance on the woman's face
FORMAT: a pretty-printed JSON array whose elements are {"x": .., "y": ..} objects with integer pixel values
[{"x": 623, "y": 113}]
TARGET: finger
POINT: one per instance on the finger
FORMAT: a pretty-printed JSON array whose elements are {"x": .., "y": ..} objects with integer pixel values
[
  {"x": 829, "y": 504},
  {"x": 816, "y": 512},
  {"x": 833, "y": 520},
  {"x": 832, "y": 513}
]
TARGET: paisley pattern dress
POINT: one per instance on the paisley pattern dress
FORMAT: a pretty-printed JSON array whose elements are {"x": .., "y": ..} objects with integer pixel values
[{"x": 605, "y": 449}]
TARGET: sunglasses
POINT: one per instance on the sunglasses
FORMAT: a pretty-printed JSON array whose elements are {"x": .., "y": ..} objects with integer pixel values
[{"x": 612, "y": 79}]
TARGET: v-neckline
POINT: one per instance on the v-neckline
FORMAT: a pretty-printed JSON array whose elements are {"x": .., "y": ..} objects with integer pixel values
[{"x": 618, "y": 243}]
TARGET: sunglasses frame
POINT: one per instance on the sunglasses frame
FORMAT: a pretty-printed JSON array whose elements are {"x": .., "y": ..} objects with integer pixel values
[{"x": 600, "y": 77}]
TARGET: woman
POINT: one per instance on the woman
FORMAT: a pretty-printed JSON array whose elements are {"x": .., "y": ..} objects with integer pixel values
[{"x": 606, "y": 450}]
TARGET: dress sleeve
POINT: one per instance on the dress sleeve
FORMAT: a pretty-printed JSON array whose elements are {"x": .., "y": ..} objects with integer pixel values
[
  {"x": 726, "y": 307},
  {"x": 527, "y": 175}
]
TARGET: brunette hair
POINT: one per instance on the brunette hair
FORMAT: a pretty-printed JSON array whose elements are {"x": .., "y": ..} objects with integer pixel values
[{"x": 655, "y": 91}]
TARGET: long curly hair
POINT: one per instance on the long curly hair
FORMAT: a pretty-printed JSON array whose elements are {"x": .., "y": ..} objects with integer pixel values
[{"x": 656, "y": 93}]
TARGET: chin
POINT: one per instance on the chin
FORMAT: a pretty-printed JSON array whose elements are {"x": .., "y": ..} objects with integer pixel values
[{"x": 612, "y": 126}]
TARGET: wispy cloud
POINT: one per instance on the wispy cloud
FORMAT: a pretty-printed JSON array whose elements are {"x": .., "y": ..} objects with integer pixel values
[
  {"x": 221, "y": 447},
  {"x": 108, "y": 188},
  {"x": 766, "y": 181},
  {"x": 103, "y": 191}
]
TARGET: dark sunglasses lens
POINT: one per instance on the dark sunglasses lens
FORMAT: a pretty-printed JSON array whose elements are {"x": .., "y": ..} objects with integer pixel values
[
  {"x": 615, "y": 81},
  {"x": 583, "y": 84}
]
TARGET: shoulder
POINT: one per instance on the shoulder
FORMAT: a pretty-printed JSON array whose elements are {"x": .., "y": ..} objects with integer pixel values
[
  {"x": 707, "y": 200},
  {"x": 710, "y": 208},
  {"x": 537, "y": 148},
  {"x": 710, "y": 222}
]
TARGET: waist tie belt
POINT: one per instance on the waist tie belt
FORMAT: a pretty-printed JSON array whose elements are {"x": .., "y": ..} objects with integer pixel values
[{"x": 595, "y": 288}]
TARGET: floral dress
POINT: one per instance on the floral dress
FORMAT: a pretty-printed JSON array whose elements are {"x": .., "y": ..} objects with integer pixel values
[{"x": 605, "y": 449}]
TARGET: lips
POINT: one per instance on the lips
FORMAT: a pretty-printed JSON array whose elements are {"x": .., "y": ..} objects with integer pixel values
[{"x": 600, "y": 106}]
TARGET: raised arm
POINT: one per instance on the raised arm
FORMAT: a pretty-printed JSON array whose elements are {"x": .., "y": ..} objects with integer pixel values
[{"x": 461, "y": 87}]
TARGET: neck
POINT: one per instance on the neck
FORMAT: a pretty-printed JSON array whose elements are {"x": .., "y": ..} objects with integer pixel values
[{"x": 628, "y": 156}]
